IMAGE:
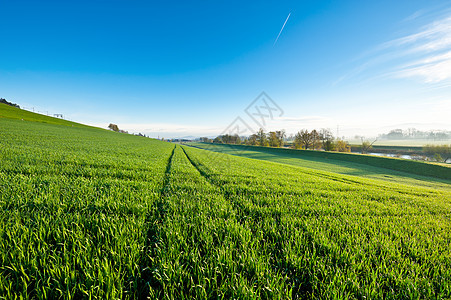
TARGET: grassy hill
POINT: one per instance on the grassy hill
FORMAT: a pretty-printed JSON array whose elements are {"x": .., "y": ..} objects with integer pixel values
[
  {"x": 10, "y": 112},
  {"x": 391, "y": 169},
  {"x": 90, "y": 213}
]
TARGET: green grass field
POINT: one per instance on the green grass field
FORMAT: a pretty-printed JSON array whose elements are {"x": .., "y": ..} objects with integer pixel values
[
  {"x": 90, "y": 213},
  {"x": 346, "y": 164},
  {"x": 9, "y": 112}
]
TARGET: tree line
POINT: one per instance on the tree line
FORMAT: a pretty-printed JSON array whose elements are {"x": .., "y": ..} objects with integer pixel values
[
  {"x": 4, "y": 101},
  {"x": 304, "y": 139},
  {"x": 412, "y": 133},
  {"x": 114, "y": 127}
]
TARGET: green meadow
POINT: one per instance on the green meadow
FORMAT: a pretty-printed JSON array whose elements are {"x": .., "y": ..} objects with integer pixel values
[
  {"x": 91, "y": 213},
  {"x": 9, "y": 112},
  {"x": 388, "y": 169}
]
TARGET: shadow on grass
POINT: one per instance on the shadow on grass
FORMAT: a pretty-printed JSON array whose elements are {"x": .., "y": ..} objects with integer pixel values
[{"x": 322, "y": 163}]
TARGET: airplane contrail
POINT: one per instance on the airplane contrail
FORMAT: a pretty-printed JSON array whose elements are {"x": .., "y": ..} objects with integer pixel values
[{"x": 282, "y": 28}]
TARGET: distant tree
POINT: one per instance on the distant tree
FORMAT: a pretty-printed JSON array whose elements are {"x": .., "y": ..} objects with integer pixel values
[
  {"x": 441, "y": 153},
  {"x": 227, "y": 139},
  {"x": 366, "y": 145},
  {"x": 299, "y": 139},
  {"x": 316, "y": 139},
  {"x": 329, "y": 145},
  {"x": 113, "y": 127},
  {"x": 281, "y": 136},
  {"x": 412, "y": 133},
  {"x": 342, "y": 146},
  {"x": 441, "y": 136},
  {"x": 2, "y": 100},
  {"x": 395, "y": 134},
  {"x": 327, "y": 139},
  {"x": 273, "y": 140},
  {"x": 237, "y": 139},
  {"x": 306, "y": 140},
  {"x": 438, "y": 157},
  {"x": 252, "y": 140},
  {"x": 205, "y": 140},
  {"x": 261, "y": 137}
]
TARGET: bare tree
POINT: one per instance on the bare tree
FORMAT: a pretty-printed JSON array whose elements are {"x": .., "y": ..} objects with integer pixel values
[
  {"x": 306, "y": 140},
  {"x": 366, "y": 145}
]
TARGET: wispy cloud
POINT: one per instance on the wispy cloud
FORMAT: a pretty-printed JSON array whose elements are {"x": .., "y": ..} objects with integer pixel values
[
  {"x": 424, "y": 55},
  {"x": 432, "y": 50},
  {"x": 280, "y": 32},
  {"x": 414, "y": 16},
  {"x": 432, "y": 37},
  {"x": 432, "y": 69}
]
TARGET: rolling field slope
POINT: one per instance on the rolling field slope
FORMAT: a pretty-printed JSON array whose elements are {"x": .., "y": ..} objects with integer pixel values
[
  {"x": 410, "y": 172},
  {"x": 73, "y": 205},
  {"x": 9, "y": 112},
  {"x": 89, "y": 213}
]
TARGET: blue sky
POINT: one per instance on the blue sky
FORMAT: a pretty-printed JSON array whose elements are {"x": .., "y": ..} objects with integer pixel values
[{"x": 174, "y": 69}]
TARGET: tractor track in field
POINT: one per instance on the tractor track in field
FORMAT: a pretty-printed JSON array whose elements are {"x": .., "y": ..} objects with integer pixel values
[
  {"x": 156, "y": 217},
  {"x": 299, "y": 280},
  {"x": 238, "y": 207}
]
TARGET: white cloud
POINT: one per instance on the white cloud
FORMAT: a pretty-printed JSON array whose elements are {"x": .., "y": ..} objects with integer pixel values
[
  {"x": 431, "y": 69},
  {"x": 428, "y": 53},
  {"x": 414, "y": 16},
  {"x": 432, "y": 37},
  {"x": 424, "y": 56}
]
